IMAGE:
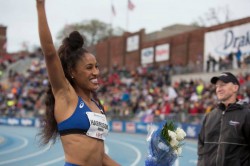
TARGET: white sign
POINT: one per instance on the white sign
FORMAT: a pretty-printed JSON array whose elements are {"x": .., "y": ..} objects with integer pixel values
[
  {"x": 13, "y": 121},
  {"x": 26, "y": 122},
  {"x": 132, "y": 43},
  {"x": 191, "y": 131},
  {"x": 162, "y": 53},
  {"x": 221, "y": 43},
  {"x": 147, "y": 55}
]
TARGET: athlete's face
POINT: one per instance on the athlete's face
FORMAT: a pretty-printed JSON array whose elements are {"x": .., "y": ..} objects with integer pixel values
[
  {"x": 226, "y": 92},
  {"x": 86, "y": 73}
]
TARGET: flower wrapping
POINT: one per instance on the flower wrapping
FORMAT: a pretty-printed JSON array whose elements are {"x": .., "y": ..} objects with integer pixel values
[{"x": 164, "y": 144}]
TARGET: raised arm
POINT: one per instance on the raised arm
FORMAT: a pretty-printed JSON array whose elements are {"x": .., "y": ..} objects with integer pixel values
[{"x": 53, "y": 63}]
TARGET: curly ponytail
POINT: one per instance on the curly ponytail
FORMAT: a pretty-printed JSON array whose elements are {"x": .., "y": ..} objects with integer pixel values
[{"x": 49, "y": 129}]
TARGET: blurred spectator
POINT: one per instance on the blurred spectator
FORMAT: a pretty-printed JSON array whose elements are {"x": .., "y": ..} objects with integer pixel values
[
  {"x": 141, "y": 95},
  {"x": 238, "y": 57}
]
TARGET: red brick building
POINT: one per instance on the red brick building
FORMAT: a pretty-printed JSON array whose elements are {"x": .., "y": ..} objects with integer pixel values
[
  {"x": 3, "y": 40},
  {"x": 186, "y": 46}
]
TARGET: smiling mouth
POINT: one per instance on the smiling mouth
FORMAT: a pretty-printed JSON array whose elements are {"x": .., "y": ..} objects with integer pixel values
[{"x": 94, "y": 80}]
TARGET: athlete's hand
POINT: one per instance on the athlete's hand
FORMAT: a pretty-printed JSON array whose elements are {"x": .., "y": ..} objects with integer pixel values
[{"x": 40, "y": 1}]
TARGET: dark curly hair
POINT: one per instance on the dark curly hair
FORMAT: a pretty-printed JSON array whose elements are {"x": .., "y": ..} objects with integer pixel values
[{"x": 70, "y": 53}]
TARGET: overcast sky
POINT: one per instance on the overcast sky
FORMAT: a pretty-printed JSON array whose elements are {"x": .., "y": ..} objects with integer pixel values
[{"x": 21, "y": 20}]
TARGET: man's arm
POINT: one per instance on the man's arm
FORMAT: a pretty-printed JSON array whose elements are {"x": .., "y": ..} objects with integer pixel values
[
  {"x": 201, "y": 139},
  {"x": 246, "y": 128},
  {"x": 107, "y": 161}
]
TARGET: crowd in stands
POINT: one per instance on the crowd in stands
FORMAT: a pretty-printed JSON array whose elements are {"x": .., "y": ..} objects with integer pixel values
[
  {"x": 146, "y": 94},
  {"x": 234, "y": 60},
  {"x": 4, "y": 62},
  {"x": 21, "y": 94}
]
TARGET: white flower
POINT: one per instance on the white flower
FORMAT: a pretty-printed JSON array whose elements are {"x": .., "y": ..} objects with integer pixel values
[
  {"x": 174, "y": 142},
  {"x": 172, "y": 134},
  {"x": 180, "y": 134},
  {"x": 178, "y": 151}
]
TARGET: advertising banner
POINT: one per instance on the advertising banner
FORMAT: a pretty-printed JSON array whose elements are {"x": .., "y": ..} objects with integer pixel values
[
  {"x": 130, "y": 127},
  {"x": 18, "y": 121},
  {"x": 116, "y": 126},
  {"x": 225, "y": 43},
  {"x": 147, "y": 55},
  {"x": 132, "y": 43},
  {"x": 162, "y": 52}
]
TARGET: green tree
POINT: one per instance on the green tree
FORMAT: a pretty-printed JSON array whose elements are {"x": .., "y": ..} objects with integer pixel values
[
  {"x": 214, "y": 16},
  {"x": 93, "y": 30}
]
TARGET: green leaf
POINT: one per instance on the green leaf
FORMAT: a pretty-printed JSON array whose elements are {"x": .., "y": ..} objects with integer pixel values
[{"x": 169, "y": 125}]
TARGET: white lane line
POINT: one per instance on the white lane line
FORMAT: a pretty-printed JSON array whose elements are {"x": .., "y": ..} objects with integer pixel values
[
  {"x": 23, "y": 145},
  {"x": 26, "y": 156},
  {"x": 106, "y": 149},
  {"x": 138, "y": 153},
  {"x": 52, "y": 161}
]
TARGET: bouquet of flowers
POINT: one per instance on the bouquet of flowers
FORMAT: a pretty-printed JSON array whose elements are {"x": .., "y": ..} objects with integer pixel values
[{"x": 165, "y": 144}]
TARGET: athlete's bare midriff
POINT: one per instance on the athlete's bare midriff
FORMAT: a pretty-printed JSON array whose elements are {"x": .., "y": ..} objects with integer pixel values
[{"x": 83, "y": 150}]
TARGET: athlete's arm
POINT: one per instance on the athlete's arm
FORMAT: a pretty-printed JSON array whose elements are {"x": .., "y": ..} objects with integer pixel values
[{"x": 53, "y": 63}]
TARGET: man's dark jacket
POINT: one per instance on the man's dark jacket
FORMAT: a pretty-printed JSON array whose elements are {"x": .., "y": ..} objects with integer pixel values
[{"x": 224, "y": 139}]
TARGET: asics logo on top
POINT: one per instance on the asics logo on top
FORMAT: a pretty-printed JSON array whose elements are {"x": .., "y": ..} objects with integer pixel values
[{"x": 81, "y": 105}]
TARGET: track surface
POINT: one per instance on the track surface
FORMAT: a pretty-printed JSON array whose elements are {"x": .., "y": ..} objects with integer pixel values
[{"x": 19, "y": 147}]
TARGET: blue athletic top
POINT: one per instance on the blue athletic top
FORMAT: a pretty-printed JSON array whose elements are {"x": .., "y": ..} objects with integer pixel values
[{"x": 78, "y": 122}]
